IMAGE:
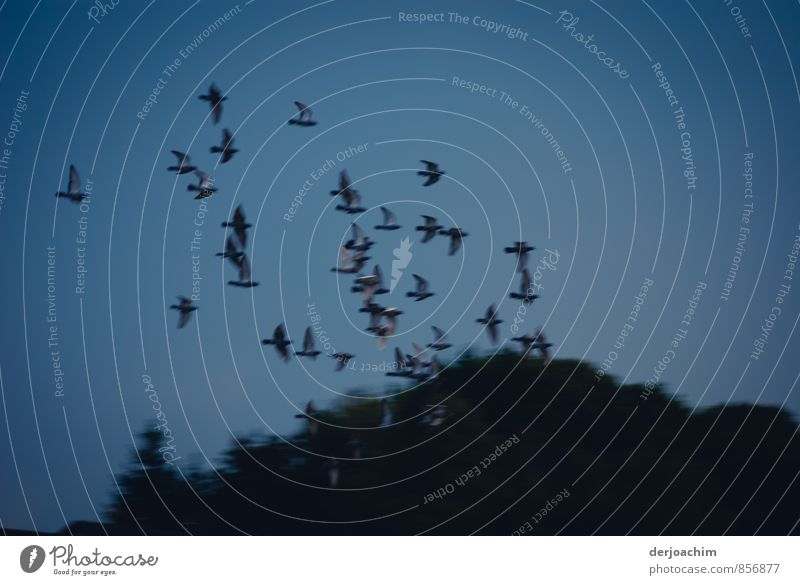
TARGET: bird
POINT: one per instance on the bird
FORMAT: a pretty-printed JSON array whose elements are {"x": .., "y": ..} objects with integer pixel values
[
  {"x": 421, "y": 292},
  {"x": 350, "y": 263},
  {"x": 183, "y": 165},
  {"x": 389, "y": 221},
  {"x": 226, "y": 149},
  {"x": 351, "y": 197},
  {"x": 303, "y": 116},
  {"x": 359, "y": 240},
  {"x": 280, "y": 342},
  {"x": 342, "y": 359},
  {"x": 432, "y": 172},
  {"x": 214, "y": 98},
  {"x": 308, "y": 346},
  {"x": 185, "y": 308},
  {"x": 374, "y": 310},
  {"x": 417, "y": 363},
  {"x": 73, "y": 192},
  {"x": 542, "y": 345},
  {"x": 491, "y": 321},
  {"x": 400, "y": 366},
  {"x": 231, "y": 252},
  {"x": 205, "y": 185},
  {"x": 526, "y": 294},
  {"x": 370, "y": 284},
  {"x": 430, "y": 227},
  {"x": 239, "y": 225},
  {"x": 521, "y": 249},
  {"x": 456, "y": 237},
  {"x": 245, "y": 278},
  {"x": 310, "y": 415},
  {"x": 386, "y": 418},
  {"x": 390, "y": 327},
  {"x": 439, "y": 336}
]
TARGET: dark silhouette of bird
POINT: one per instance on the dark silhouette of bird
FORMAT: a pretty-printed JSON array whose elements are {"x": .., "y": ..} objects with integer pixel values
[
  {"x": 439, "y": 337},
  {"x": 432, "y": 172},
  {"x": 421, "y": 292},
  {"x": 430, "y": 227},
  {"x": 389, "y": 328},
  {"x": 359, "y": 240},
  {"x": 310, "y": 416},
  {"x": 73, "y": 192},
  {"x": 374, "y": 310},
  {"x": 491, "y": 321},
  {"x": 389, "y": 221},
  {"x": 245, "y": 278},
  {"x": 401, "y": 365},
  {"x": 457, "y": 235},
  {"x": 350, "y": 262},
  {"x": 226, "y": 149},
  {"x": 280, "y": 342},
  {"x": 521, "y": 250},
  {"x": 303, "y": 116},
  {"x": 185, "y": 308},
  {"x": 231, "y": 252},
  {"x": 370, "y": 285},
  {"x": 205, "y": 185},
  {"x": 342, "y": 359},
  {"x": 184, "y": 163},
  {"x": 239, "y": 225},
  {"x": 525, "y": 294},
  {"x": 535, "y": 342},
  {"x": 214, "y": 98},
  {"x": 351, "y": 197},
  {"x": 308, "y": 346}
]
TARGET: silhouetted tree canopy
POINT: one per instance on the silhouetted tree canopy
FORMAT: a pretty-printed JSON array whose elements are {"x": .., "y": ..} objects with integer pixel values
[{"x": 630, "y": 464}]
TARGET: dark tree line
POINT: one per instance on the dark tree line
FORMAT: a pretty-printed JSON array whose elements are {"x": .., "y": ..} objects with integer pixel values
[{"x": 629, "y": 464}]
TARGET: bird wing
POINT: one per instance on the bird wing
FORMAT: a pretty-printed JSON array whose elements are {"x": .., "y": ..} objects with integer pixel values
[
  {"x": 238, "y": 215},
  {"x": 308, "y": 340},
  {"x": 455, "y": 243},
  {"x": 183, "y": 319},
  {"x": 422, "y": 284},
  {"x": 438, "y": 334},
  {"x": 431, "y": 166},
  {"x": 244, "y": 269},
  {"x": 183, "y": 158},
  {"x": 378, "y": 275},
  {"x": 74, "y": 185},
  {"x": 526, "y": 281},
  {"x": 388, "y": 217},
  {"x": 429, "y": 220},
  {"x": 230, "y": 246},
  {"x": 279, "y": 334},
  {"x": 227, "y": 138}
]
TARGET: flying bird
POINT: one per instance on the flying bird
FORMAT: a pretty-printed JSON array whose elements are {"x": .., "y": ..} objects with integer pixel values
[
  {"x": 370, "y": 284},
  {"x": 185, "y": 308},
  {"x": 280, "y": 342},
  {"x": 303, "y": 116},
  {"x": 525, "y": 294},
  {"x": 535, "y": 342},
  {"x": 231, "y": 252},
  {"x": 521, "y": 249},
  {"x": 430, "y": 227},
  {"x": 245, "y": 278},
  {"x": 308, "y": 346},
  {"x": 401, "y": 365},
  {"x": 359, "y": 240},
  {"x": 432, "y": 172},
  {"x": 457, "y": 235},
  {"x": 310, "y": 415},
  {"x": 374, "y": 310},
  {"x": 342, "y": 359},
  {"x": 73, "y": 192},
  {"x": 350, "y": 263},
  {"x": 439, "y": 337},
  {"x": 214, "y": 98},
  {"x": 226, "y": 149},
  {"x": 388, "y": 329},
  {"x": 239, "y": 225},
  {"x": 389, "y": 221},
  {"x": 421, "y": 292},
  {"x": 491, "y": 321},
  {"x": 351, "y": 197},
  {"x": 205, "y": 185},
  {"x": 184, "y": 163}
]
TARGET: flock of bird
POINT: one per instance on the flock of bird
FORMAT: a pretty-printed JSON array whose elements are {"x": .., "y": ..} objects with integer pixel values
[{"x": 383, "y": 321}]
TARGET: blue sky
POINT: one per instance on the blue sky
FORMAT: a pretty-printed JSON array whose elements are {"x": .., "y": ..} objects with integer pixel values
[{"x": 386, "y": 93}]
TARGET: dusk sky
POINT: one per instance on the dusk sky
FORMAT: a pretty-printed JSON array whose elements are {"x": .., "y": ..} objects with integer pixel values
[{"x": 654, "y": 166}]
